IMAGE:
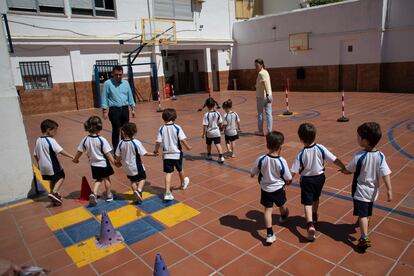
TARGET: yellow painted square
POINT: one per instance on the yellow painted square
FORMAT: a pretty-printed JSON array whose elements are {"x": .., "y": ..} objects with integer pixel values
[
  {"x": 39, "y": 178},
  {"x": 175, "y": 214},
  {"x": 67, "y": 218},
  {"x": 129, "y": 196},
  {"x": 86, "y": 252},
  {"x": 124, "y": 215}
]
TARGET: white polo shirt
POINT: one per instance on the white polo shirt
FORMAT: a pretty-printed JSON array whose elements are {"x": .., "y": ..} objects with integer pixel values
[
  {"x": 95, "y": 147},
  {"x": 46, "y": 149},
  {"x": 230, "y": 121},
  {"x": 212, "y": 119},
  {"x": 372, "y": 167},
  {"x": 131, "y": 151},
  {"x": 310, "y": 160},
  {"x": 272, "y": 171},
  {"x": 170, "y": 136}
]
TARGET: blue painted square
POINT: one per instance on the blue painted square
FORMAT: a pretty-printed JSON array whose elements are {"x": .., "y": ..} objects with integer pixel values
[
  {"x": 154, "y": 204},
  {"x": 140, "y": 229},
  {"x": 106, "y": 206},
  {"x": 78, "y": 232},
  {"x": 64, "y": 239}
]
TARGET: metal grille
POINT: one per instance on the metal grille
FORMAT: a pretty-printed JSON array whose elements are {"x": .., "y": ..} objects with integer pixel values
[
  {"x": 36, "y": 75},
  {"x": 105, "y": 68}
]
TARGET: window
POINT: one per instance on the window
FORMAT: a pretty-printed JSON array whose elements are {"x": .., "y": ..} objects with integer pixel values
[
  {"x": 36, "y": 75},
  {"x": 173, "y": 9},
  {"x": 36, "y": 6},
  {"x": 105, "y": 68},
  {"x": 93, "y": 7},
  {"x": 248, "y": 8}
]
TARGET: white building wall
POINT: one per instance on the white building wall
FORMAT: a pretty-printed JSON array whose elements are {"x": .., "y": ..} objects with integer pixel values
[
  {"x": 267, "y": 37},
  {"x": 53, "y": 38},
  {"x": 15, "y": 161},
  {"x": 399, "y": 31}
]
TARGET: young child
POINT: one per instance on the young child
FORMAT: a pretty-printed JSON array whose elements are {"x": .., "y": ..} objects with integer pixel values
[
  {"x": 368, "y": 165},
  {"x": 45, "y": 152},
  {"x": 273, "y": 174},
  {"x": 99, "y": 153},
  {"x": 211, "y": 129},
  {"x": 171, "y": 136},
  {"x": 309, "y": 163},
  {"x": 231, "y": 125},
  {"x": 216, "y": 103},
  {"x": 130, "y": 151}
]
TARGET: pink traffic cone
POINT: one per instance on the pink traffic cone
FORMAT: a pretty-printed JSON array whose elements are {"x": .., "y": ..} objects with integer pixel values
[
  {"x": 160, "y": 268},
  {"x": 108, "y": 234}
]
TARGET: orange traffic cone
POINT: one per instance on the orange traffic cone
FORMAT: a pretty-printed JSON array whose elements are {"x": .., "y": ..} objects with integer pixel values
[{"x": 85, "y": 191}]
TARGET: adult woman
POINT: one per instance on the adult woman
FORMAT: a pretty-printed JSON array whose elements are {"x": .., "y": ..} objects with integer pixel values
[{"x": 263, "y": 97}]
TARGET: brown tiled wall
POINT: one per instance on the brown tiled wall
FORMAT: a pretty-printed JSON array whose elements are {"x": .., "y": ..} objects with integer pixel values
[
  {"x": 62, "y": 96},
  {"x": 395, "y": 77},
  {"x": 224, "y": 79}
]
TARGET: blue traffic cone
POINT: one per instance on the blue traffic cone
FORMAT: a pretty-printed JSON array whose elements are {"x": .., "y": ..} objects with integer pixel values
[{"x": 160, "y": 269}]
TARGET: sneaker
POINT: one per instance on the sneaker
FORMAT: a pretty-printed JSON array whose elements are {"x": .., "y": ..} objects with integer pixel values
[
  {"x": 221, "y": 160},
  {"x": 55, "y": 197},
  {"x": 283, "y": 218},
  {"x": 315, "y": 217},
  {"x": 271, "y": 239},
  {"x": 311, "y": 232},
  {"x": 138, "y": 195},
  {"x": 185, "y": 183},
  {"x": 209, "y": 157},
  {"x": 109, "y": 197},
  {"x": 92, "y": 199},
  {"x": 363, "y": 244},
  {"x": 168, "y": 197}
]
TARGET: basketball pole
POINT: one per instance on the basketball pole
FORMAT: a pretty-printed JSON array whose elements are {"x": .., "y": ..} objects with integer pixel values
[
  {"x": 343, "y": 119},
  {"x": 287, "y": 112}
]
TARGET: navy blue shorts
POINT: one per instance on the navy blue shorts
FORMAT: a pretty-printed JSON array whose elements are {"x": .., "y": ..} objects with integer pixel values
[
  {"x": 170, "y": 164},
  {"x": 311, "y": 188},
  {"x": 54, "y": 178},
  {"x": 216, "y": 140},
  {"x": 137, "y": 178},
  {"x": 102, "y": 172},
  {"x": 231, "y": 138},
  {"x": 362, "y": 208},
  {"x": 278, "y": 197}
]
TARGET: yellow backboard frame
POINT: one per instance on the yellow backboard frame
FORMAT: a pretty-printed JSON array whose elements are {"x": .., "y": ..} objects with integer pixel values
[{"x": 158, "y": 31}]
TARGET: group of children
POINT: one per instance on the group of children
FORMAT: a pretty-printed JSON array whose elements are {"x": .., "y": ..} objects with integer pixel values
[
  {"x": 368, "y": 166},
  {"x": 273, "y": 172}
]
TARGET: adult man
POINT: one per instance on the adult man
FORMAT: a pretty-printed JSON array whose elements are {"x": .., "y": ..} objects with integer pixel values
[
  {"x": 117, "y": 97},
  {"x": 263, "y": 97}
]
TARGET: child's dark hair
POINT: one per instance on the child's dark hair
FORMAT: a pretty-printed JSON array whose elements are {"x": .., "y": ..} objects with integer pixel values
[
  {"x": 228, "y": 104},
  {"x": 370, "y": 131},
  {"x": 48, "y": 124},
  {"x": 274, "y": 140},
  {"x": 93, "y": 124},
  {"x": 129, "y": 129},
  {"x": 307, "y": 133},
  {"x": 210, "y": 102},
  {"x": 169, "y": 114}
]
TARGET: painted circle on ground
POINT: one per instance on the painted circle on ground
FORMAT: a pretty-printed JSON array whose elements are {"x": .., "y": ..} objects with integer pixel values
[
  {"x": 407, "y": 124},
  {"x": 297, "y": 115}
]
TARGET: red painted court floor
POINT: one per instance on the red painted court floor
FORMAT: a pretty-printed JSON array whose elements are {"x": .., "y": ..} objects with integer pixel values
[{"x": 227, "y": 237}]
